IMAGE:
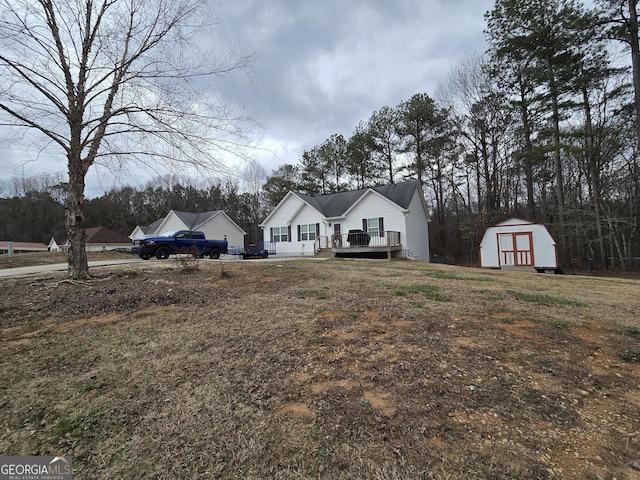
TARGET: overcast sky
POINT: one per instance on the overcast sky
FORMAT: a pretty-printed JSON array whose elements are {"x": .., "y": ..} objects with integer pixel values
[
  {"x": 320, "y": 68},
  {"x": 323, "y": 66}
]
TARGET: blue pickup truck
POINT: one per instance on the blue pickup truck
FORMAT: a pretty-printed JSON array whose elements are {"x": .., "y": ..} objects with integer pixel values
[{"x": 183, "y": 241}]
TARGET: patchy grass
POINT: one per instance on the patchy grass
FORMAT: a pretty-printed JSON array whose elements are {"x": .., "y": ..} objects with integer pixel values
[
  {"x": 325, "y": 370},
  {"x": 431, "y": 292},
  {"x": 95, "y": 384},
  {"x": 632, "y": 331},
  {"x": 557, "y": 324},
  {"x": 632, "y": 356},
  {"x": 447, "y": 275},
  {"x": 320, "y": 294},
  {"x": 78, "y": 426},
  {"x": 545, "y": 299}
]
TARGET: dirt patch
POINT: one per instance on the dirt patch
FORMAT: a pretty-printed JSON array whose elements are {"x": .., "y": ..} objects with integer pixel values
[{"x": 336, "y": 370}]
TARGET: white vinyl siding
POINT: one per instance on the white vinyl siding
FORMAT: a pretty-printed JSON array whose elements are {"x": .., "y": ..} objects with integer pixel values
[
  {"x": 416, "y": 239},
  {"x": 375, "y": 207}
]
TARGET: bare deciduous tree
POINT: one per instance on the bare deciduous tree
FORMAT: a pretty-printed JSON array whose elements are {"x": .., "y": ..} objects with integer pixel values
[
  {"x": 115, "y": 82},
  {"x": 253, "y": 177}
]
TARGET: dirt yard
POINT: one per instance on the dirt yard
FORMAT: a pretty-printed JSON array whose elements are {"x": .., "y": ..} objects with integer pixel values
[{"x": 334, "y": 369}]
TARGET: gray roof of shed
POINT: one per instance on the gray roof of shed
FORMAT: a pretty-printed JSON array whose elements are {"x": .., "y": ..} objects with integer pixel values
[{"x": 336, "y": 204}]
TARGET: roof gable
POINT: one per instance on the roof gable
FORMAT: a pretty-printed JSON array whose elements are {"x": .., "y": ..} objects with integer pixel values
[
  {"x": 192, "y": 220},
  {"x": 337, "y": 204},
  {"x": 151, "y": 229}
]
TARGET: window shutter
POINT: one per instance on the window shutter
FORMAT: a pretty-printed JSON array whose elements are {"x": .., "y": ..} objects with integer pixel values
[
  {"x": 317, "y": 230},
  {"x": 381, "y": 225},
  {"x": 271, "y": 234},
  {"x": 364, "y": 224},
  {"x": 299, "y": 235},
  {"x": 289, "y": 232}
]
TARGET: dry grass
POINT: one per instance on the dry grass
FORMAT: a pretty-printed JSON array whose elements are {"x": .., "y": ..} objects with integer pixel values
[
  {"x": 46, "y": 258},
  {"x": 334, "y": 369}
]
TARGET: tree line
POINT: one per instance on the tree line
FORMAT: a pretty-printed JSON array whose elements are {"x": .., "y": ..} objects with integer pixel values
[
  {"x": 33, "y": 210},
  {"x": 544, "y": 126}
]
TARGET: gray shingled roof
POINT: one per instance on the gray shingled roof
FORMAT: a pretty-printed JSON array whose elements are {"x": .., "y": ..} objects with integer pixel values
[
  {"x": 192, "y": 220},
  {"x": 151, "y": 229},
  {"x": 336, "y": 204}
]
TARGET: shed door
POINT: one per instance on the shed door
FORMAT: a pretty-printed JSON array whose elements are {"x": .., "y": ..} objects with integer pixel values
[
  {"x": 516, "y": 249},
  {"x": 505, "y": 243}
]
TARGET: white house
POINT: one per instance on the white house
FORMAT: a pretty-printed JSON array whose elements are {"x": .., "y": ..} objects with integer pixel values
[
  {"x": 394, "y": 217},
  {"x": 215, "y": 225},
  {"x": 517, "y": 243},
  {"x": 97, "y": 239},
  {"x": 10, "y": 248}
]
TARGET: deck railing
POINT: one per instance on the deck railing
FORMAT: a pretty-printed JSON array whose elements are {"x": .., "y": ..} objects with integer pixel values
[{"x": 360, "y": 240}]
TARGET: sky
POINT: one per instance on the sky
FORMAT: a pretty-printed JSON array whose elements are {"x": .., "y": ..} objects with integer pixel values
[{"x": 319, "y": 68}]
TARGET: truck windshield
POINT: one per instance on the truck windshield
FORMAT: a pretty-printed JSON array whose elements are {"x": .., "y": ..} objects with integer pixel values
[{"x": 168, "y": 234}]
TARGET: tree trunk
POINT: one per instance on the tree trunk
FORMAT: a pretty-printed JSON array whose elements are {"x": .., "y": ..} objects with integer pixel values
[
  {"x": 74, "y": 222},
  {"x": 557, "y": 160},
  {"x": 527, "y": 162},
  {"x": 635, "y": 61},
  {"x": 594, "y": 176}
]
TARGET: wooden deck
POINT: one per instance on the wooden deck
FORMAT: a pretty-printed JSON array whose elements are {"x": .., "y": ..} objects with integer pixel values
[{"x": 360, "y": 244}]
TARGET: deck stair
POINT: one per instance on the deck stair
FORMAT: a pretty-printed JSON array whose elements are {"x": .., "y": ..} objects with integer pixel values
[{"x": 324, "y": 253}]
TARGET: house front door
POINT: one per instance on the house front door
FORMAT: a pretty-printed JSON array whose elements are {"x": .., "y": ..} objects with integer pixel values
[{"x": 337, "y": 236}]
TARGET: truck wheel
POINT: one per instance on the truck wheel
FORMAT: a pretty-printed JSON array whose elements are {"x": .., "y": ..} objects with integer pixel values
[
  {"x": 214, "y": 254},
  {"x": 265, "y": 254},
  {"x": 163, "y": 252},
  {"x": 145, "y": 257}
]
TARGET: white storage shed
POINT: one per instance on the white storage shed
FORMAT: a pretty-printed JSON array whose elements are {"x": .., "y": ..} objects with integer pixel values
[{"x": 517, "y": 243}]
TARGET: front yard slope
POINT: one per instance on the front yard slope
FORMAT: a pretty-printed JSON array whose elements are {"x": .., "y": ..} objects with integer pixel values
[{"x": 338, "y": 369}]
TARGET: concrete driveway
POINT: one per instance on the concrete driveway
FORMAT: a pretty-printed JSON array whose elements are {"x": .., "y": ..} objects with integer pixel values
[{"x": 55, "y": 267}]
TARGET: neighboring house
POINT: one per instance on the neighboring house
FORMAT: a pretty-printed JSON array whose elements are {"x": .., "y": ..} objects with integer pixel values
[
  {"x": 216, "y": 225},
  {"x": 7, "y": 247},
  {"x": 394, "y": 217},
  {"x": 142, "y": 231},
  {"x": 517, "y": 243},
  {"x": 97, "y": 239},
  {"x": 58, "y": 243}
]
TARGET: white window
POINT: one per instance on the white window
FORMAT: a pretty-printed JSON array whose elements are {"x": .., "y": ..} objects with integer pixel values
[
  {"x": 308, "y": 232},
  {"x": 280, "y": 234},
  {"x": 373, "y": 227}
]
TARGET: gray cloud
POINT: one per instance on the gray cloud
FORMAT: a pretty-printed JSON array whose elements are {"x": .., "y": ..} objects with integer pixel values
[{"x": 323, "y": 66}]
